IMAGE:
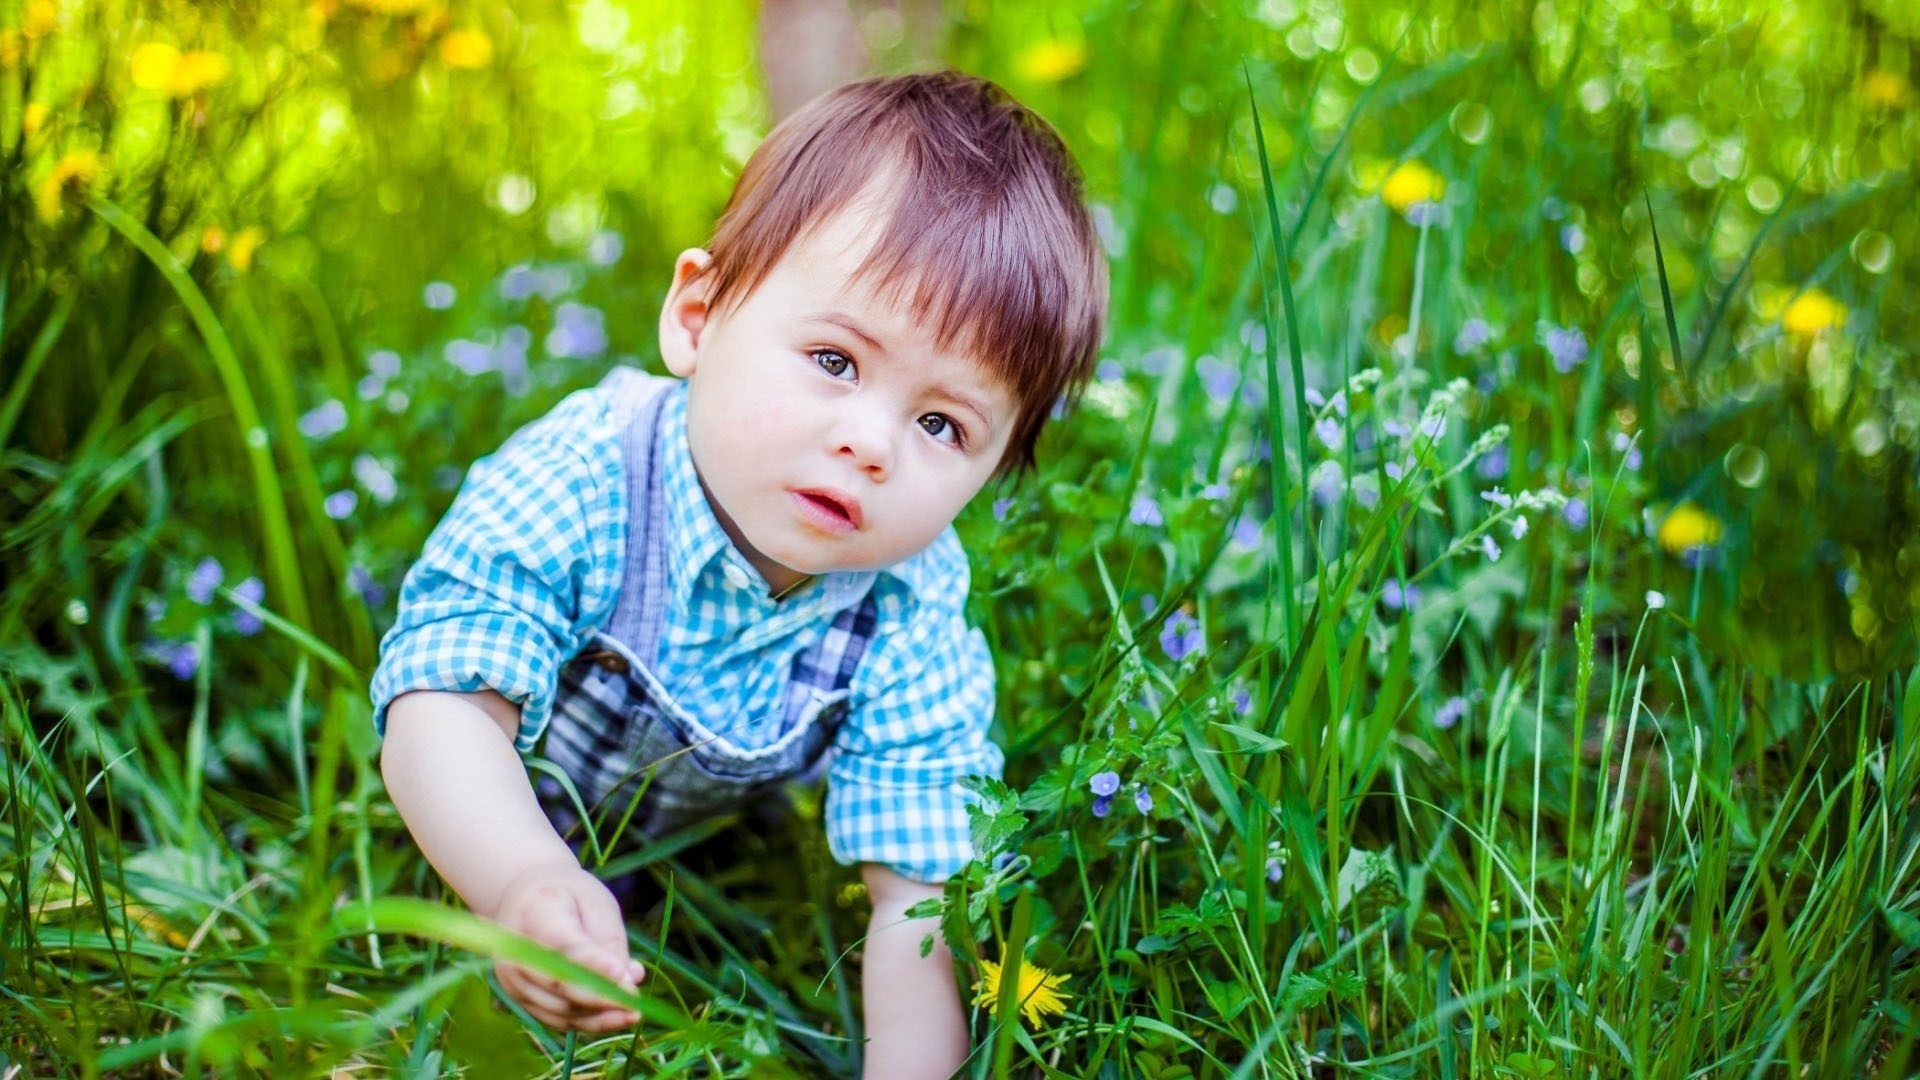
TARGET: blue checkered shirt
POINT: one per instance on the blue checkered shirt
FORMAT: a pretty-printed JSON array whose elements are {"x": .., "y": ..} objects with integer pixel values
[{"x": 527, "y": 564}]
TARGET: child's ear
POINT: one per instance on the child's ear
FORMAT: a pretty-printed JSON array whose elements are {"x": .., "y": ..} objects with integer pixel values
[{"x": 683, "y": 318}]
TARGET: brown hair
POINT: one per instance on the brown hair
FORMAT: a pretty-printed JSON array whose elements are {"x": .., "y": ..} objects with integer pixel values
[{"x": 988, "y": 228}]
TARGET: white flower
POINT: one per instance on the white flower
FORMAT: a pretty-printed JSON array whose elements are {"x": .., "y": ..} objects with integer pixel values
[{"x": 1656, "y": 600}]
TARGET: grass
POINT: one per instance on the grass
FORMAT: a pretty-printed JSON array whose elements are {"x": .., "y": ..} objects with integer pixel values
[{"x": 1597, "y": 805}]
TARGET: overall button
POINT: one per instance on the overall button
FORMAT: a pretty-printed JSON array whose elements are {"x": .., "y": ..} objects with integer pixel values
[
  {"x": 607, "y": 660},
  {"x": 735, "y": 576}
]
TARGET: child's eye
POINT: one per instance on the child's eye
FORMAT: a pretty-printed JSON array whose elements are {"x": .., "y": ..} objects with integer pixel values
[
  {"x": 834, "y": 363},
  {"x": 943, "y": 429}
]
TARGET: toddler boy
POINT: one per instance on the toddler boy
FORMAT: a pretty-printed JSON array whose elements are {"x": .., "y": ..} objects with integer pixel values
[{"x": 699, "y": 589}]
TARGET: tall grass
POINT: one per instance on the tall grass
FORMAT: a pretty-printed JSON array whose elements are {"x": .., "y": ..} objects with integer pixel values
[{"x": 1432, "y": 792}]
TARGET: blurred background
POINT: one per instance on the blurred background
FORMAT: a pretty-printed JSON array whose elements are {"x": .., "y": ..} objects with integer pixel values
[{"x": 272, "y": 275}]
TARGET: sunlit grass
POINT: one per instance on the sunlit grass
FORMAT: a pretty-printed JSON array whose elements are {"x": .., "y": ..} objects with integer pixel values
[{"x": 1459, "y": 634}]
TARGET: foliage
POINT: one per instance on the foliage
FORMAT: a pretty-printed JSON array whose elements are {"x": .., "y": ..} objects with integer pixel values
[{"x": 1467, "y": 626}]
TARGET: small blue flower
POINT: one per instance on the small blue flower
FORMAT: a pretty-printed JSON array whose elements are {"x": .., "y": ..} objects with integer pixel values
[
  {"x": 1573, "y": 239},
  {"x": 438, "y": 295},
  {"x": 579, "y": 332},
  {"x": 1473, "y": 334},
  {"x": 1276, "y": 869},
  {"x": 1215, "y": 492},
  {"x": 1398, "y": 597},
  {"x": 1450, "y": 712},
  {"x": 376, "y": 478},
  {"x": 1493, "y": 464},
  {"x": 1103, "y": 806},
  {"x": 246, "y": 623},
  {"x": 471, "y": 357},
  {"x": 1217, "y": 377},
  {"x": 1159, "y": 361},
  {"x": 205, "y": 579},
  {"x": 1109, "y": 371},
  {"x": 1246, "y": 532},
  {"x": 1104, "y": 783},
  {"x": 1143, "y": 799},
  {"x": 1000, "y": 508},
  {"x": 384, "y": 364},
  {"x": 1575, "y": 514},
  {"x": 1329, "y": 431},
  {"x": 605, "y": 248},
  {"x": 1145, "y": 511},
  {"x": 1242, "y": 700},
  {"x": 340, "y": 505},
  {"x": 329, "y": 419},
  {"x": 372, "y": 593},
  {"x": 1180, "y": 636},
  {"x": 183, "y": 659},
  {"x": 1488, "y": 548},
  {"x": 518, "y": 282},
  {"x": 1566, "y": 345},
  {"x": 1498, "y": 498}
]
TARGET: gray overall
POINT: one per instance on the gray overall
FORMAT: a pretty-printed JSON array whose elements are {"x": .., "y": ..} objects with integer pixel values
[{"x": 618, "y": 733}]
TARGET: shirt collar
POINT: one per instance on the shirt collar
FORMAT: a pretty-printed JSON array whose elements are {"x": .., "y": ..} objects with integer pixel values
[{"x": 695, "y": 540}]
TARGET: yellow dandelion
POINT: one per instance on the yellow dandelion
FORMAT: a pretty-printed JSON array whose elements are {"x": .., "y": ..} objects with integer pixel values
[
  {"x": 392, "y": 7},
  {"x": 1410, "y": 184},
  {"x": 1811, "y": 312},
  {"x": 1039, "y": 991},
  {"x": 160, "y": 67},
  {"x": 1687, "y": 527},
  {"x": 33, "y": 118},
  {"x": 72, "y": 177},
  {"x": 1885, "y": 89},
  {"x": 42, "y": 17},
  {"x": 1051, "y": 61},
  {"x": 242, "y": 245},
  {"x": 470, "y": 49}
]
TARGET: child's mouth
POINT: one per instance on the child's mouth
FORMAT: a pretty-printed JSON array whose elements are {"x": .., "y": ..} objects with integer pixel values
[{"x": 831, "y": 510}]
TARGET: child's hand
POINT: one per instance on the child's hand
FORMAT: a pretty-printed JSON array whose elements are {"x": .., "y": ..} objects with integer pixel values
[{"x": 569, "y": 910}]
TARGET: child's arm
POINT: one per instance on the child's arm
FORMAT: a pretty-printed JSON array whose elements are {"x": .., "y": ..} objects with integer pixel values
[
  {"x": 915, "y": 1025},
  {"x": 451, "y": 768}
]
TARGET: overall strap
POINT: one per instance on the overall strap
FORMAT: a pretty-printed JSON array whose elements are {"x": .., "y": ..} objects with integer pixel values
[{"x": 639, "y": 614}]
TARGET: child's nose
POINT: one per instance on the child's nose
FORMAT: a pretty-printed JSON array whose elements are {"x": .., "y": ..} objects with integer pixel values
[{"x": 867, "y": 439}]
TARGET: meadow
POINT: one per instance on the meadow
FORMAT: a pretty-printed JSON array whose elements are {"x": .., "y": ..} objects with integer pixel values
[{"x": 1466, "y": 628}]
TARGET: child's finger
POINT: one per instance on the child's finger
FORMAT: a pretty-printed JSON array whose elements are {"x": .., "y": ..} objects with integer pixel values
[
  {"x": 600, "y": 918},
  {"x": 537, "y": 995}
]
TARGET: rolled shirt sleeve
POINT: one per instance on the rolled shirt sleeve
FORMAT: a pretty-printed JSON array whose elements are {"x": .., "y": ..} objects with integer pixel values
[
  {"x": 519, "y": 573},
  {"x": 893, "y": 787}
]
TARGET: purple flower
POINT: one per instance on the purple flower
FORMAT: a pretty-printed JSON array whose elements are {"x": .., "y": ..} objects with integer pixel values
[
  {"x": 1103, "y": 806},
  {"x": 1143, "y": 799},
  {"x": 1246, "y": 533},
  {"x": 471, "y": 357},
  {"x": 1493, "y": 464},
  {"x": 578, "y": 331},
  {"x": 1426, "y": 212},
  {"x": 384, "y": 364},
  {"x": 1109, "y": 371},
  {"x": 1276, "y": 868},
  {"x": 1473, "y": 334},
  {"x": 1157, "y": 361},
  {"x": 1398, "y": 597},
  {"x": 1396, "y": 428},
  {"x": 329, "y": 419},
  {"x": 1498, "y": 498},
  {"x": 1242, "y": 700},
  {"x": 1488, "y": 548},
  {"x": 1433, "y": 427},
  {"x": 183, "y": 659},
  {"x": 1575, "y": 514},
  {"x": 1328, "y": 430},
  {"x": 370, "y": 387},
  {"x": 1145, "y": 511},
  {"x": 1217, "y": 377},
  {"x": 1000, "y": 508},
  {"x": 1566, "y": 345},
  {"x": 206, "y": 577},
  {"x": 1253, "y": 335},
  {"x": 438, "y": 295},
  {"x": 518, "y": 282},
  {"x": 246, "y": 623},
  {"x": 372, "y": 593},
  {"x": 1394, "y": 470},
  {"x": 1215, "y": 492},
  {"x": 1326, "y": 483},
  {"x": 1450, "y": 712},
  {"x": 340, "y": 505},
  {"x": 605, "y": 248},
  {"x": 1180, "y": 636},
  {"x": 1104, "y": 783}
]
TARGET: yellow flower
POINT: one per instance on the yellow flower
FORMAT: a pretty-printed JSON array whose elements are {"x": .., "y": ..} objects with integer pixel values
[
  {"x": 1885, "y": 89},
  {"x": 1686, "y": 527},
  {"x": 33, "y": 119},
  {"x": 1039, "y": 990},
  {"x": 159, "y": 66},
  {"x": 72, "y": 176},
  {"x": 1051, "y": 60},
  {"x": 41, "y": 18},
  {"x": 242, "y": 245},
  {"x": 392, "y": 7},
  {"x": 10, "y": 47},
  {"x": 213, "y": 239},
  {"x": 1811, "y": 312},
  {"x": 471, "y": 49},
  {"x": 1411, "y": 183}
]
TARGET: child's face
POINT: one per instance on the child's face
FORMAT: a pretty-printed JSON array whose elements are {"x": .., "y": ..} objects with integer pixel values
[{"x": 829, "y": 431}]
